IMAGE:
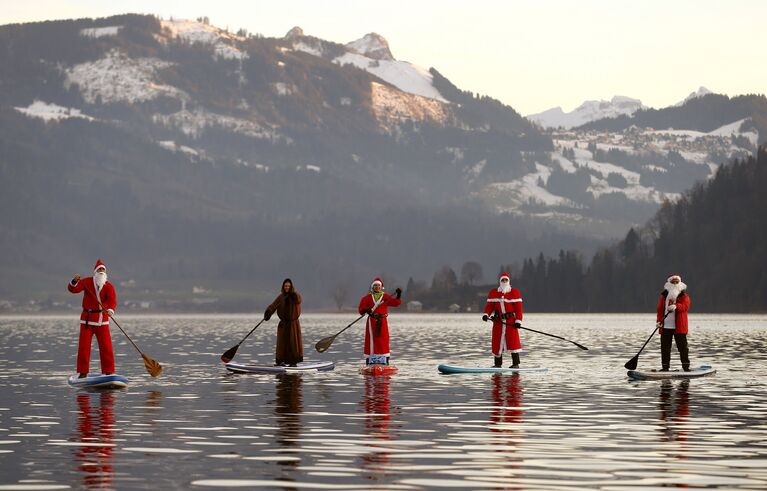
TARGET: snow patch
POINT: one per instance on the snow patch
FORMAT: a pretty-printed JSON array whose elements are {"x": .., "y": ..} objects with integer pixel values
[
  {"x": 391, "y": 106},
  {"x": 526, "y": 191},
  {"x": 98, "y": 32},
  {"x": 175, "y": 147},
  {"x": 314, "y": 50},
  {"x": 281, "y": 88},
  {"x": 120, "y": 78},
  {"x": 51, "y": 112},
  {"x": 194, "y": 124}
]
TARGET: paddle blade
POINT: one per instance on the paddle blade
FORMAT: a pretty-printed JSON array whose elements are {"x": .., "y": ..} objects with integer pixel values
[
  {"x": 152, "y": 366},
  {"x": 632, "y": 363},
  {"x": 229, "y": 354},
  {"x": 324, "y": 343}
]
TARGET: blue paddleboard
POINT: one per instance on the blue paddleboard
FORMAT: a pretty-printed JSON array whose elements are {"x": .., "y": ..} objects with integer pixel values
[
  {"x": 701, "y": 371},
  {"x": 93, "y": 381},
  {"x": 304, "y": 366},
  {"x": 452, "y": 369}
]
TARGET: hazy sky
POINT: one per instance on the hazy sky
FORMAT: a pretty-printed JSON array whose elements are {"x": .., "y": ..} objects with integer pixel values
[{"x": 532, "y": 55}]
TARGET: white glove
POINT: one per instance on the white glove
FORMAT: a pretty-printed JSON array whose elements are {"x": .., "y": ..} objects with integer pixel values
[
  {"x": 518, "y": 323},
  {"x": 671, "y": 307},
  {"x": 659, "y": 324},
  {"x": 110, "y": 312}
]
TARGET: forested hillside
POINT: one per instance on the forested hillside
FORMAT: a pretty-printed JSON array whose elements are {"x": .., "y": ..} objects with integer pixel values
[{"x": 715, "y": 237}]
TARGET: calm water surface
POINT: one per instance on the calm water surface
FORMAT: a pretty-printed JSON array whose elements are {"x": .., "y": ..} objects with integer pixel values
[{"x": 581, "y": 425}]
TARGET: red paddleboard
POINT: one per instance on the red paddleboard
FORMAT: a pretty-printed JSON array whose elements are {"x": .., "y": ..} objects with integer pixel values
[{"x": 378, "y": 370}]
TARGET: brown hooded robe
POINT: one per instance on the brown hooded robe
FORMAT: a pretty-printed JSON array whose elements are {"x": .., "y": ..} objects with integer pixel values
[{"x": 290, "y": 347}]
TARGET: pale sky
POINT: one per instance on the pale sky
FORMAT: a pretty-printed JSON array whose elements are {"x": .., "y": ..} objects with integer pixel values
[{"x": 532, "y": 55}]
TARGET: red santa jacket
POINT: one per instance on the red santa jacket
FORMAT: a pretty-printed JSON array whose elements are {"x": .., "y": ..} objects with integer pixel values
[
  {"x": 502, "y": 303},
  {"x": 682, "y": 306},
  {"x": 367, "y": 302},
  {"x": 92, "y": 315}
]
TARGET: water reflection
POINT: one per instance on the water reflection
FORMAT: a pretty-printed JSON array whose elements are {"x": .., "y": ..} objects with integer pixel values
[
  {"x": 95, "y": 431},
  {"x": 674, "y": 404},
  {"x": 288, "y": 406},
  {"x": 376, "y": 402}
]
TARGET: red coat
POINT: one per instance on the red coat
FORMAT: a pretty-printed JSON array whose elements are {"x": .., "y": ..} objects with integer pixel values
[
  {"x": 682, "y": 306},
  {"x": 502, "y": 303},
  {"x": 505, "y": 336},
  {"x": 108, "y": 301},
  {"x": 380, "y": 340}
]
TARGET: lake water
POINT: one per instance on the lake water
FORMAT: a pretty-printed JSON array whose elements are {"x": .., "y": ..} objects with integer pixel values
[{"x": 581, "y": 425}]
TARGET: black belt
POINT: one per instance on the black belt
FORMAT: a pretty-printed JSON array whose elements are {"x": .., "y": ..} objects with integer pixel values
[
  {"x": 379, "y": 322},
  {"x": 92, "y": 311}
]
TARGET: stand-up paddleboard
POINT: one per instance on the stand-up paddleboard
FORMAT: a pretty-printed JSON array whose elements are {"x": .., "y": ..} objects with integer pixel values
[
  {"x": 378, "y": 370},
  {"x": 304, "y": 366},
  {"x": 452, "y": 369},
  {"x": 93, "y": 381},
  {"x": 701, "y": 371}
]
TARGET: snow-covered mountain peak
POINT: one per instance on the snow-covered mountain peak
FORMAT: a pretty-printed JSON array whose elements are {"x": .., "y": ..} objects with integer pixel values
[
  {"x": 296, "y": 32},
  {"x": 694, "y": 95},
  {"x": 587, "y": 112},
  {"x": 373, "y": 46}
]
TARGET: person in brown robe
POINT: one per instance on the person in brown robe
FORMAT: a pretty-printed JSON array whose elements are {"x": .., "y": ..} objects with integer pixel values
[{"x": 290, "y": 346}]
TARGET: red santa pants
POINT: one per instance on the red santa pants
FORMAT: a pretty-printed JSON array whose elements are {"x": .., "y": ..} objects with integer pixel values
[
  {"x": 511, "y": 335},
  {"x": 106, "y": 355}
]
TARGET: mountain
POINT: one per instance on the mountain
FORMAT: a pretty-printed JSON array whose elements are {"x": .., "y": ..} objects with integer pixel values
[
  {"x": 194, "y": 159},
  {"x": 694, "y": 95},
  {"x": 587, "y": 112}
]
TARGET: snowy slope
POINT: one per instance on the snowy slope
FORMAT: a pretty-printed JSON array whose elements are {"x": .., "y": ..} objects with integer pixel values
[{"x": 587, "y": 112}]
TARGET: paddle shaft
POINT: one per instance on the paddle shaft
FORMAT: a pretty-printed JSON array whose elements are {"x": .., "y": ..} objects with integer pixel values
[
  {"x": 115, "y": 320},
  {"x": 324, "y": 343},
  {"x": 350, "y": 325},
  {"x": 539, "y": 332},
  {"x": 251, "y": 331},
  {"x": 654, "y": 331}
]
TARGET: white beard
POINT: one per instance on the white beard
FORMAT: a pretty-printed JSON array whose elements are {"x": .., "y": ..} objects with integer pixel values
[
  {"x": 505, "y": 287},
  {"x": 674, "y": 290},
  {"x": 100, "y": 279}
]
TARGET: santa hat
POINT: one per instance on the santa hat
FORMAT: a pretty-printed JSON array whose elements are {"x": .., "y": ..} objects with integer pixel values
[
  {"x": 504, "y": 275},
  {"x": 98, "y": 265},
  {"x": 377, "y": 280},
  {"x": 672, "y": 276}
]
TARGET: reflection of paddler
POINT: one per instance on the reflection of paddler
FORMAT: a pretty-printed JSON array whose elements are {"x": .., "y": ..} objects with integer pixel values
[
  {"x": 507, "y": 399},
  {"x": 288, "y": 406},
  {"x": 674, "y": 404},
  {"x": 95, "y": 426},
  {"x": 377, "y": 405}
]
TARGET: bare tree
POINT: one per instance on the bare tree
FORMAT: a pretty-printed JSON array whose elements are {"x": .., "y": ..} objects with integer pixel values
[
  {"x": 471, "y": 272},
  {"x": 340, "y": 293}
]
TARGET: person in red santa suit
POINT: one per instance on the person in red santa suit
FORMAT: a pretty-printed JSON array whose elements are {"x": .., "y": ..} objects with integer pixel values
[
  {"x": 673, "y": 304},
  {"x": 99, "y": 303},
  {"x": 505, "y": 305},
  {"x": 376, "y": 305}
]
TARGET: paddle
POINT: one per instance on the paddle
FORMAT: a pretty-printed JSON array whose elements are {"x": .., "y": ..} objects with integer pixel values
[
  {"x": 541, "y": 332},
  {"x": 632, "y": 363},
  {"x": 229, "y": 354},
  {"x": 324, "y": 343},
  {"x": 151, "y": 365}
]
